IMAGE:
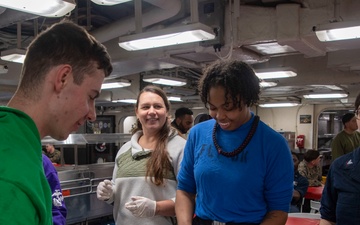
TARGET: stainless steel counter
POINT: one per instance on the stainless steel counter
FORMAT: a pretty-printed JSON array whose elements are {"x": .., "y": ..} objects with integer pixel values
[
  {"x": 79, "y": 190},
  {"x": 79, "y": 182}
]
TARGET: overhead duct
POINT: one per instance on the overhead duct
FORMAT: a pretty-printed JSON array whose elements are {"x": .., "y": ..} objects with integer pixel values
[
  {"x": 287, "y": 24},
  {"x": 288, "y": 30},
  {"x": 166, "y": 9}
]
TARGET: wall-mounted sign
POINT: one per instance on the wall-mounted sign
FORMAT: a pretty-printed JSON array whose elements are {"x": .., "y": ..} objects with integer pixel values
[{"x": 305, "y": 118}]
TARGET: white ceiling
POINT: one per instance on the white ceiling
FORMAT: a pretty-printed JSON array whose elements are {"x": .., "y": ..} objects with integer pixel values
[{"x": 244, "y": 26}]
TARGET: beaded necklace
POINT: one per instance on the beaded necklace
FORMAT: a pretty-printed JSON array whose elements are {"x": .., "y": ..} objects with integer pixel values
[{"x": 242, "y": 146}]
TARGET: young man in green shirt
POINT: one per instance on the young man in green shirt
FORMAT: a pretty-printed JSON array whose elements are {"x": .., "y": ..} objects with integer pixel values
[{"x": 60, "y": 80}]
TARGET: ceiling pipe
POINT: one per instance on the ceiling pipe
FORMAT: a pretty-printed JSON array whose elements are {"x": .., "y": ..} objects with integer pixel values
[
  {"x": 138, "y": 16},
  {"x": 166, "y": 9}
]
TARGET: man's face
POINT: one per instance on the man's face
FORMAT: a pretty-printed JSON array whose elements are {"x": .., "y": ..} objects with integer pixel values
[
  {"x": 50, "y": 148},
  {"x": 352, "y": 124},
  {"x": 75, "y": 104},
  {"x": 185, "y": 122}
]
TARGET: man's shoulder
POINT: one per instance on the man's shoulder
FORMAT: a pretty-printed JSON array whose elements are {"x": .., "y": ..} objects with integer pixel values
[
  {"x": 340, "y": 134},
  {"x": 348, "y": 159}
]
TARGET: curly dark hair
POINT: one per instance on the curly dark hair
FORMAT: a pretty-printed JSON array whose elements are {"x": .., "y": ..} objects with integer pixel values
[{"x": 237, "y": 78}]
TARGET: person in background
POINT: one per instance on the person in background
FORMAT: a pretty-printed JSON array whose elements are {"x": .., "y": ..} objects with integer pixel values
[
  {"x": 201, "y": 118},
  {"x": 184, "y": 120},
  {"x": 310, "y": 167},
  {"x": 348, "y": 139},
  {"x": 53, "y": 154},
  {"x": 341, "y": 196},
  {"x": 59, "y": 210},
  {"x": 230, "y": 172},
  {"x": 144, "y": 183},
  {"x": 60, "y": 79},
  {"x": 301, "y": 185}
]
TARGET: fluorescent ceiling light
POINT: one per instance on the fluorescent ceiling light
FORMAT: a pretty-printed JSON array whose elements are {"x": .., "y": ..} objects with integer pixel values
[
  {"x": 198, "y": 107},
  {"x": 272, "y": 73},
  {"x": 338, "y": 31},
  {"x": 345, "y": 100},
  {"x": 109, "y": 2},
  {"x": 47, "y": 8},
  {"x": 279, "y": 104},
  {"x": 272, "y": 48},
  {"x": 128, "y": 100},
  {"x": 118, "y": 84},
  {"x": 174, "y": 99},
  {"x": 265, "y": 84},
  {"x": 171, "y": 36},
  {"x": 13, "y": 55},
  {"x": 329, "y": 95},
  {"x": 331, "y": 87},
  {"x": 164, "y": 80}
]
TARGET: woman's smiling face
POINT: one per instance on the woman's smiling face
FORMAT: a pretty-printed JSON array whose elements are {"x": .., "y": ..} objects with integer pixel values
[
  {"x": 151, "y": 112},
  {"x": 226, "y": 112}
]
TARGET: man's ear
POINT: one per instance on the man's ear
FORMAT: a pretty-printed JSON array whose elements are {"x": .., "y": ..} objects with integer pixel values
[{"x": 63, "y": 76}]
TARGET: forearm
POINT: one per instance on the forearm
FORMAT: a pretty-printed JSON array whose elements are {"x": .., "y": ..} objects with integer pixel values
[
  {"x": 326, "y": 222},
  {"x": 275, "y": 217},
  {"x": 165, "y": 208},
  {"x": 184, "y": 207}
]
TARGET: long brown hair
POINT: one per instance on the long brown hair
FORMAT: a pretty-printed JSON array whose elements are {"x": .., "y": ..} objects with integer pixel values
[{"x": 158, "y": 164}]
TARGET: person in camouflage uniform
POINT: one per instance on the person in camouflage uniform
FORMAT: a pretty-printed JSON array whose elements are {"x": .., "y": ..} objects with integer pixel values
[
  {"x": 53, "y": 154},
  {"x": 310, "y": 167}
]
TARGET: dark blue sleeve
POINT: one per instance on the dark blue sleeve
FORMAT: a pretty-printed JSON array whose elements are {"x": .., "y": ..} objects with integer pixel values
[
  {"x": 329, "y": 198},
  {"x": 302, "y": 185},
  {"x": 59, "y": 210}
]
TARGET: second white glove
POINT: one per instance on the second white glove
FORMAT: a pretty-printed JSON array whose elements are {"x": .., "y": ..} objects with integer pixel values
[
  {"x": 141, "y": 206},
  {"x": 104, "y": 191}
]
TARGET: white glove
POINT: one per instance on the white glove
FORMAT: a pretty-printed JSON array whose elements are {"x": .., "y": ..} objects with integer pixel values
[
  {"x": 104, "y": 191},
  {"x": 141, "y": 206}
]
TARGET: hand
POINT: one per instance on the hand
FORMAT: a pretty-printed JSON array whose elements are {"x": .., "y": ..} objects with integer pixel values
[
  {"x": 141, "y": 206},
  {"x": 104, "y": 190}
]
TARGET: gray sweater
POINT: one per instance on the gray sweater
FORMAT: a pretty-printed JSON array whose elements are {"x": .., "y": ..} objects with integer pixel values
[{"x": 129, "y": 179}]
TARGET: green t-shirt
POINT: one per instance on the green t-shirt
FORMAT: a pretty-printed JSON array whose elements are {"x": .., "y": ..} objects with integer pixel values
[
  {"x": 344, "y": 143},
  {"x": 25, "y": 196}
]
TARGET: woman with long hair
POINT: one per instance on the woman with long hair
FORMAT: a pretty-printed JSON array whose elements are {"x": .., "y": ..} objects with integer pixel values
[{"x": 143, "y": 185}]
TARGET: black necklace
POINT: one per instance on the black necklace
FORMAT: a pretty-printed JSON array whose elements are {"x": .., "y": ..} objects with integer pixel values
[{"x": 242, "y": 146}]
